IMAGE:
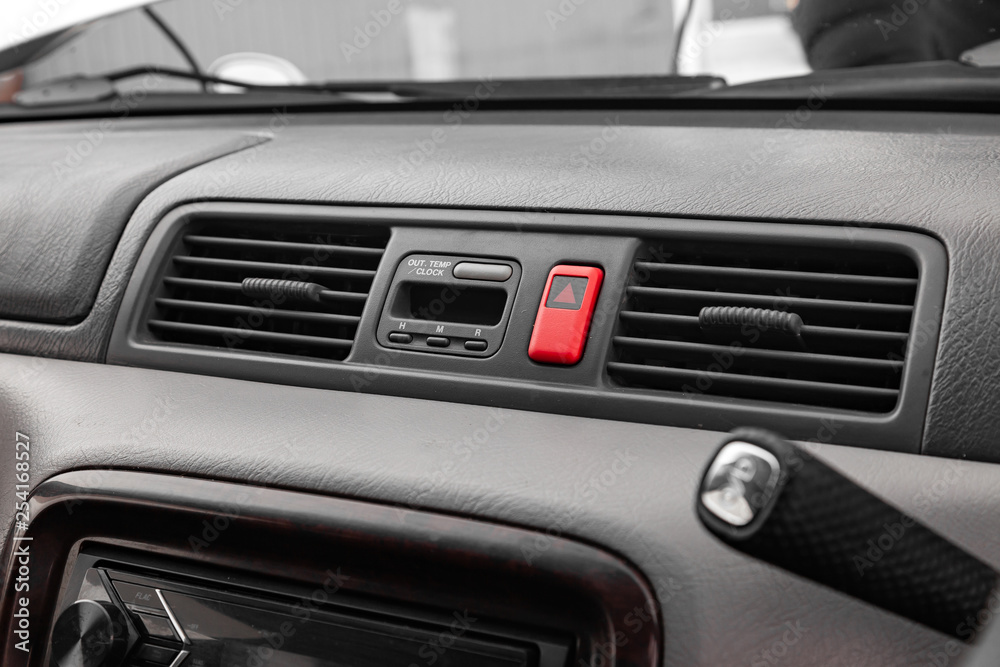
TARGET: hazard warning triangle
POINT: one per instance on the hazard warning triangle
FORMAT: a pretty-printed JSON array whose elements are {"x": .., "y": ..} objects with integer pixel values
[{"x": 566, "y": 295}]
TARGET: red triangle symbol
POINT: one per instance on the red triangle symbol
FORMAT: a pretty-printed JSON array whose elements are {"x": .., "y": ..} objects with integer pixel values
[{"x": 566, "y": 295}]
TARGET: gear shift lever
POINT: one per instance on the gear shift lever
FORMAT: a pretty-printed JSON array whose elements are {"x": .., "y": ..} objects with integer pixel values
[{"x": 773, "y": 500}]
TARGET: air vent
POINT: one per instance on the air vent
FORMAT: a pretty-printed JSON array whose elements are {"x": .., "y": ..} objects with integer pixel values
[
  {"x": 203, "y": 300},
  {"x": 855, "y": 307}
]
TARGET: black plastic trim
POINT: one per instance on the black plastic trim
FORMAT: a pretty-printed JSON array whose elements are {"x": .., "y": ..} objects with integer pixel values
[{"x": 508, "y": 378}]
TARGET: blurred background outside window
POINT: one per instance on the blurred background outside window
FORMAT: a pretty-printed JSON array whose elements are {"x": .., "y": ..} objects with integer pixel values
[{"x": 337, "y": 40}]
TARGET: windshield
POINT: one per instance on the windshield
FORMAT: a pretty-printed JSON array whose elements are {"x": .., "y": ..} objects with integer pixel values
[{"x": 278, "y": 42}]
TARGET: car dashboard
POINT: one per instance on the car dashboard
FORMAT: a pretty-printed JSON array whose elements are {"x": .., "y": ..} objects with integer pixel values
[{"x": 475, "y": 370}]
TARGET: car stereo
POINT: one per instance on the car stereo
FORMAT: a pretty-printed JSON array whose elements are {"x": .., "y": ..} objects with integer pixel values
[{"x": 115, "y": 616}]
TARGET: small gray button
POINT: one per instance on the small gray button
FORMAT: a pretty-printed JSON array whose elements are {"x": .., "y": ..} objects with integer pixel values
[
  {"x": 479, "y": 271},
  {"x": 157, "y": 626},
  {"x": 475, "y": 345},
  {"x": 135, "y": 596},
  {"x": 398, "y": 337},
  {"x": 438, "y": 341},
  {"x": 159, "y": 655}
]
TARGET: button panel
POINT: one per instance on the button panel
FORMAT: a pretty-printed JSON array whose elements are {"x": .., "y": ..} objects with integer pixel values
[
  {"x": 149, "y": 631},
  {"x": 449, "y": 305}
]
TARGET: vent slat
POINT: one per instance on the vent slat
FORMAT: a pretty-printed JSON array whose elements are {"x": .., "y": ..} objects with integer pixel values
[
  {"x": 752, "y": 381},
  {"x": 305, "y": 316},
  {"x": 753, "y": 353},
  {"x": 807, "y": 276},
  {"x": 218, "y": 285},
  {"x": 229, "y": 242},
  {"x": 763, "y": 300},
  {"x": 856, "y": 307},
  {"x": 660, "y": 319},
  {"x": 201, "y": 299},
  {"x": 334, "y": 272},
  {"x": 221, "y": 285},
  {"x": 250, "y": 334}
]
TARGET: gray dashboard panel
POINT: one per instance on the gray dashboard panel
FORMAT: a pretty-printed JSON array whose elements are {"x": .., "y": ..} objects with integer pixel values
[
  {"x": 931, "y": 172},
  {"x": 66, "y": 193},
  {"x": 935, "y": 178},
  {"x": 547, "y": 472}
]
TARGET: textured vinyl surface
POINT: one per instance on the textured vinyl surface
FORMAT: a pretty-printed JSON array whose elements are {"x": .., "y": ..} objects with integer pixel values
[
  {"x": 66, "y": 193},
  {"x": 629, "y": 488}
]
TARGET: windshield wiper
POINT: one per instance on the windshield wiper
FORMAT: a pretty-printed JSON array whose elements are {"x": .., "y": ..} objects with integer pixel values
[
  {"x": 84, "y": 90},
  {"x": 601, "y": 88}
]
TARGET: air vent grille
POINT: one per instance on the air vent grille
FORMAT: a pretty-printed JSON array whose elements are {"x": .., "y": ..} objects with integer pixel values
[
  {"x": 855, "y": 306},
  {"x": 202, "y": 301}
]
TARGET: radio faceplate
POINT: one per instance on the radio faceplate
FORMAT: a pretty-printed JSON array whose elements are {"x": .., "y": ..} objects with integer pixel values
[{"x": 167, "y": 622}]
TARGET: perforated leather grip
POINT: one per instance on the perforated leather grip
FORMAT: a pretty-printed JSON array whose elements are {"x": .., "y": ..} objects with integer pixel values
[{"x": 811, "y": 520}]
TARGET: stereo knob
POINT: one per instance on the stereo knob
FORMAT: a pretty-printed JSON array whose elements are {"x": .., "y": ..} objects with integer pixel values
[{"x": 90, "y": 634}]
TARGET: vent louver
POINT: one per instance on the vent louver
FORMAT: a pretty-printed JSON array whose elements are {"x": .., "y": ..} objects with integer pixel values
[
  {"x": 202, "y": 299},
  {"x": 855, "y": 308}
]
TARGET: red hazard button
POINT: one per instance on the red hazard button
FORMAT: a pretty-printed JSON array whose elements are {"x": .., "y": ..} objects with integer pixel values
[{"x": 564, "y": 314}]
